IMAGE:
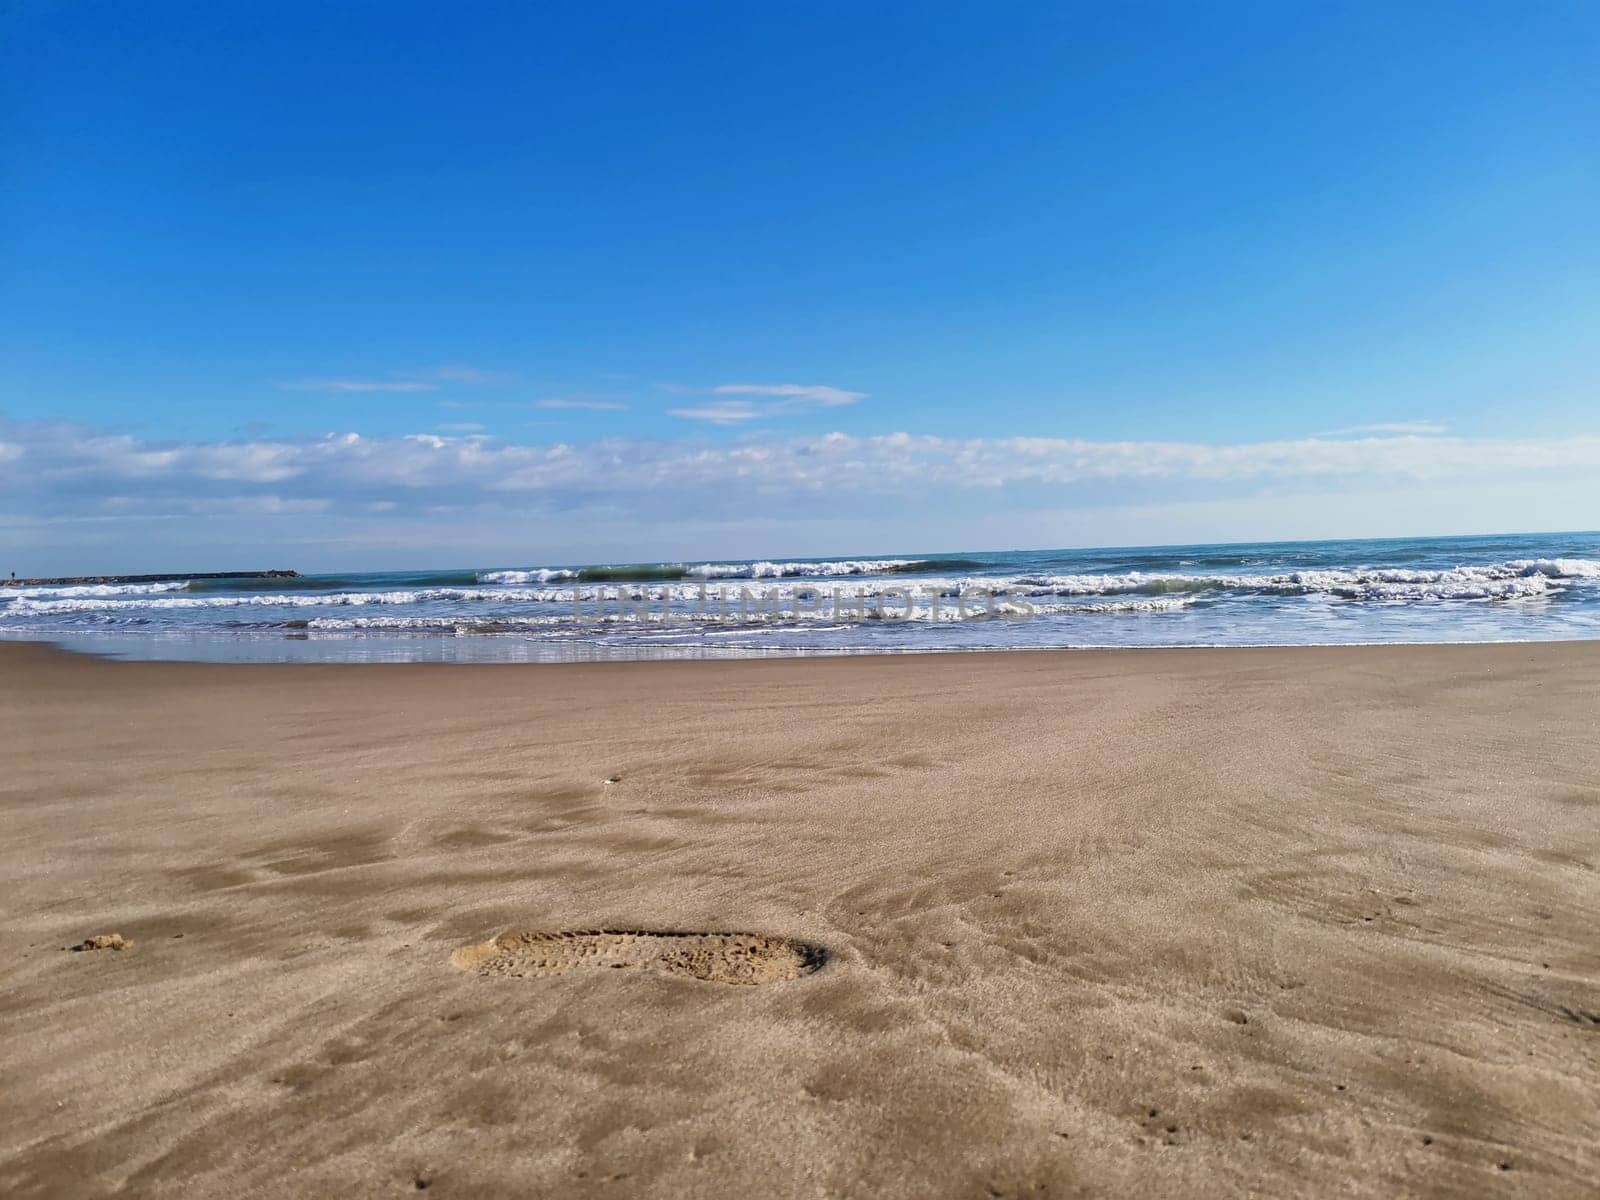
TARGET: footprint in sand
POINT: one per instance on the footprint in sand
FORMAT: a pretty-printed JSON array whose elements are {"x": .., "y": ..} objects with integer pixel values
[{"x": 742, "y": 958}]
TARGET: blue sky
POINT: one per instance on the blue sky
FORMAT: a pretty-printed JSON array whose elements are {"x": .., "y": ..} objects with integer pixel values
[{"x": 1347, "y": 252}]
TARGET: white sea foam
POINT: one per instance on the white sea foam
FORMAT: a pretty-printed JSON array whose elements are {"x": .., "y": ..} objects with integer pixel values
[
  {"x": 460, "y": 625},
  {"x": 93, "y": 589},
  {"x": 1155, "y": 604},
  {"x": 1558, "y": 568},
  {"x": 788, "y": 570},
  {"x": 754, "y": 570},
  {"x": 825, "y": 616},
  {"x": 1104, "y": 593},
  {"x": 538, "y": 575},
  {"x": 1497, "y": 581}
]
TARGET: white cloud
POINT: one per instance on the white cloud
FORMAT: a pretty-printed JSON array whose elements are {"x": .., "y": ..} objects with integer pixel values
[
  {"x": 764, "y": 400},
  {"x": 357, "y": 385},
  {"x": 59, "y": 469},
  {"x": 723, "y": 412},
  {"x": 260, "y": 505},
  {"x": 400, "y": 381},
  {"x": 821, "y": 396},
  {"x": 1420, "y": 428},
  {"x": 71, "y": 495},
  {"x": 460, "y": 374},
  {"x": 589, "y": 405}
]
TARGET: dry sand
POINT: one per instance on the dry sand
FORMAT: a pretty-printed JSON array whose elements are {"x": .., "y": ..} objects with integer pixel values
[{"x": 1159, "y": 923}]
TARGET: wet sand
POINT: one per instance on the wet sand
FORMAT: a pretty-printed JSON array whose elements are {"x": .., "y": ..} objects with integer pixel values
[{"x": 1173, "y": 923}]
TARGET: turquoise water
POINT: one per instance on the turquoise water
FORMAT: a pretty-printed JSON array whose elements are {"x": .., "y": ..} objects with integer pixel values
[{"x": 1517, "y": 587}]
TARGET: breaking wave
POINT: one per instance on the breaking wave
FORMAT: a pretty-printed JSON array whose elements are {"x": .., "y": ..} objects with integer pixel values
[
  {"x": 1520, "y": 588},
  {"x": 666, "y": 572},
  {"x": 769, "y": 582},
  {"x": 86, "y": 590}
]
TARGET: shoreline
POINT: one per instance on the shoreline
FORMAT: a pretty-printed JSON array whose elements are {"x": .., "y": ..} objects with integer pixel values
[
  {"x": 1310, "y": 920},
  {"x": 631, "y": 654}
]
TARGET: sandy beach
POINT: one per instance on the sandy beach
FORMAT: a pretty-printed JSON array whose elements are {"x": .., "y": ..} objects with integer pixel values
[{"x": 1167, "y": 923}]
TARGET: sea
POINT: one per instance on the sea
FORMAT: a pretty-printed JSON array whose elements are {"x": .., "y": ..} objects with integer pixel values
[{"x": 1503, "y": 588}]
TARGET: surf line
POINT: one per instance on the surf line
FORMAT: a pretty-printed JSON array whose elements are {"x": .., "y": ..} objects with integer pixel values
[{"x": 890, "y": 604}]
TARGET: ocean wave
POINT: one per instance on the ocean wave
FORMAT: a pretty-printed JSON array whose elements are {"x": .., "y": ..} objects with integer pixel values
[
  {"x": 1516, "y": 579},
  {"x": 1558, "y": 568},
  {"x": 638, "y": 573},
  {"x": 327, "y": 583},
  {"x": 84, "y": 590},
  {"x": 268, "y": 600},
  {"x": 1506, "y": 581},
  {"x": 820, "y": 570},
  {"x": 456, "y": 625},
  {"x": 1155, "y": 604},
  {"x": 668, "y": 572},
  {"x": 825, "y": 615},
  {"x": 538, "y": 575}
]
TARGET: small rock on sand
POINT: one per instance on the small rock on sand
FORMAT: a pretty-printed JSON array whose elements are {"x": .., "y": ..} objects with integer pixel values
[{"x": 104, "y": 941}]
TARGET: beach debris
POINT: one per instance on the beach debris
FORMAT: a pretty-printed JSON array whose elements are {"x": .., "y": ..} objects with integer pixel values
[
  {"x": 739, "y": 958},
  {"x": 102, "y": 941}
]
